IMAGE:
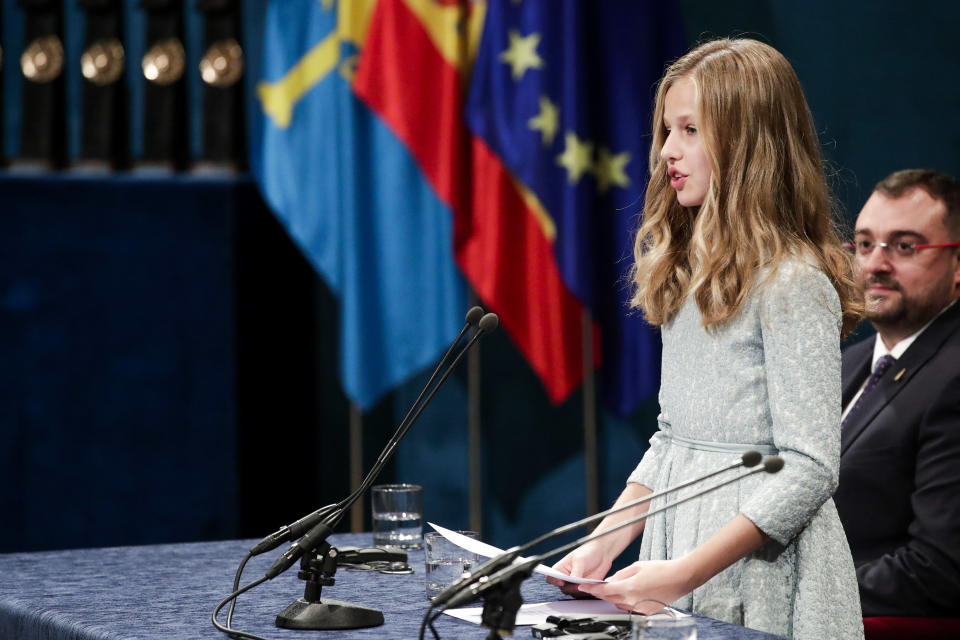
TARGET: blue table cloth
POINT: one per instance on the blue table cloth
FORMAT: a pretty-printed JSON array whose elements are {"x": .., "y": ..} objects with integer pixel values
[{"x": 167, "y": 592}]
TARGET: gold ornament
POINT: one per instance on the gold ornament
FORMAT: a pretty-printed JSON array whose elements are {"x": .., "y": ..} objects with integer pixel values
[
  {"x": 102, "y": 62},
  {"x": 163, "y": 63},
  {"x": 222, "y": 64},
  {"x": 42, "y": 61}
]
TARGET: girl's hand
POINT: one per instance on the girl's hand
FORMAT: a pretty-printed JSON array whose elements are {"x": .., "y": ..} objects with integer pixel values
[
  {"x": 663, "y": 580},
  {"x": 587, "y": 561}
]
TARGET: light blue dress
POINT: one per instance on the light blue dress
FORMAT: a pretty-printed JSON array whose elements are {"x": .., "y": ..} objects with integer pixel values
[{"x": 770, "y": 377}]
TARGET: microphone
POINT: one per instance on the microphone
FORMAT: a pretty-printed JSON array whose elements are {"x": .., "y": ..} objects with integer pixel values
[
  {"x": 296, "y": 529},
  {"x": 748, "y": 459},
  {"x": 472, "y": 318},
  {"x": 320, "y": 531},
  {"x": 508, "y": 576}
]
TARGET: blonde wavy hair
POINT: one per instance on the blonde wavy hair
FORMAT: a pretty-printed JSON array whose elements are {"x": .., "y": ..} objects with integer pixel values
[{"x": 767, "y": 198}]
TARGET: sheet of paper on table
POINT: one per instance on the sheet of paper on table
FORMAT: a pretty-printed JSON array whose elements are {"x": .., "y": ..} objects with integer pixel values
[
  {"x": 489, "y": 551},
  {"x": 531, "y": 614}
]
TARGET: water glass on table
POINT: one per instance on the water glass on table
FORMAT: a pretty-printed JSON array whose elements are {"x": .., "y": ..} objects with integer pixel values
[
  {"x": 445, "y": 561},
  {"x": 665, "y": 626},
  {"x": 397, "y": 515}
]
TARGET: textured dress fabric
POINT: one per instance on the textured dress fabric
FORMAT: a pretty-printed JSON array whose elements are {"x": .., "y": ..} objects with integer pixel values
[{"x": 770, "y": 377}]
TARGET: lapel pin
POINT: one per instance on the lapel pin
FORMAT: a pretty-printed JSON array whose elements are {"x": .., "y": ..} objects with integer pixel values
[{"x": 897, "y": 377}]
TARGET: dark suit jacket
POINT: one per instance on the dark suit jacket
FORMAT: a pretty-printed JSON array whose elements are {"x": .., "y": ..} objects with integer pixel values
[{"x": 899, "y": 492}]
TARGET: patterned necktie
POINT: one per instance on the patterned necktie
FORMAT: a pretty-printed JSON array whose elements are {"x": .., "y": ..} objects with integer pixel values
[{"x": 883, "y": 364}]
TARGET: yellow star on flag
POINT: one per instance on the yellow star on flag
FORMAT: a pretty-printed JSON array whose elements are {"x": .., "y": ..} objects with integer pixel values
[
  {"x": 575, "y": 157},
  {"x": 546, "y": 121},
  {"x": 522, "y": 53},
  {"x": 609, "y": 169}
]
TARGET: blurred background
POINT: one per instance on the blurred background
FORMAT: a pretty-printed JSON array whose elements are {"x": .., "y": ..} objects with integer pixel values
[{"x": 237, "y": 235}]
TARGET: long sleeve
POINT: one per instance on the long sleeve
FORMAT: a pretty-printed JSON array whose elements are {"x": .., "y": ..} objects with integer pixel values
[
  {"x": 800, "y": 329},
  {"x": 646, "y": 472}
]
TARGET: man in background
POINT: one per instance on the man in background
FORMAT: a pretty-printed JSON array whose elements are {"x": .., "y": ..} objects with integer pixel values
[{"x": 899, "y": 492}]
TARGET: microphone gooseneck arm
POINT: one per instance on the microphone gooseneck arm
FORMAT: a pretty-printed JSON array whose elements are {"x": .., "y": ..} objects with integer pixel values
[
  {"x": 478, "y": 588},
  {"x": 487, "y": 323},
  {"x": 748, "y": 459},
  {"x": 772, "y": 464},
  {"x": 473, "y": 317}
]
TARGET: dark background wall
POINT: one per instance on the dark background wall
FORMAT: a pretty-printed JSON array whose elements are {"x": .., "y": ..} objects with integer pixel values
[
  {"x": 877, "y": 105},
  {"x": 168, "y": 366}
]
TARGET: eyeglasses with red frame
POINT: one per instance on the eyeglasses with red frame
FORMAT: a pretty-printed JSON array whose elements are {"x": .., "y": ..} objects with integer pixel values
[{"x": 898, "y": 249}]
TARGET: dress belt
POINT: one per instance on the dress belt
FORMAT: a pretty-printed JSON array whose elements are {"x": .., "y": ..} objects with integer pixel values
[{"x": 723, "y": 447}]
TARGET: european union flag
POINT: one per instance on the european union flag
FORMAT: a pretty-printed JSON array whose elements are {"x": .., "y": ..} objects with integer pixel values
[
  {"x": 562, "y": 91},
  {"x": 354, "y": 200}
]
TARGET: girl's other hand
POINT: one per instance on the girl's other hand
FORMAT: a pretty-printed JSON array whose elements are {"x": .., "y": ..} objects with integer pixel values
[
  {"x": 665, "y": 581},
  {"x": 586, "y": 561}
]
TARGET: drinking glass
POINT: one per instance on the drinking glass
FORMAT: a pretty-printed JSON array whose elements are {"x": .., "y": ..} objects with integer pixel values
[
  {"x": 665, "y": 626},
  {"x": 397, "y": 515},
  {"x": 445, "y": 561}
]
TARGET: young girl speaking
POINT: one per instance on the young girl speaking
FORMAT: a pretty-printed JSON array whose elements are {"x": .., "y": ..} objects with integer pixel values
[{"x": 737, "y": 261}]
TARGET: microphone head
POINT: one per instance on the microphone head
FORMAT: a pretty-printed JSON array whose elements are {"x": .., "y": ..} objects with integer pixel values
[
  {"x": 474, "y": 315},
  {"x": 773, "y": 464},
  {"x": 751, "y": 458},
  {"x": 489, "y": 322}
]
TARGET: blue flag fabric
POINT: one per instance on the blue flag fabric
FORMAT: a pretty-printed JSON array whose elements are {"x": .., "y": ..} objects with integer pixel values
[
  {"x": 353, "y": 199},
  {"x": 563, "y": 91}
]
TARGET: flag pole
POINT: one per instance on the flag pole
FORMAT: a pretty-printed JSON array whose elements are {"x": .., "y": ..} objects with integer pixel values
[
  {"x": 356, "y": 466},
  {"x": 589, "y": 415},
  {"x": 475, "y": 436}
]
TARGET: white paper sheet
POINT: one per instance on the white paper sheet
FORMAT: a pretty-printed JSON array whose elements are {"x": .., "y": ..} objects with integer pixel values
[
  {"x": 489, "y": 551},
  {"x": 530, "y": 614}
]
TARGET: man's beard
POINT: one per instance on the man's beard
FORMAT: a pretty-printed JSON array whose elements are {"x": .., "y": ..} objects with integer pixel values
[
  {"x": 897, "y": 310},
  {"x": 882, "y": 309}
]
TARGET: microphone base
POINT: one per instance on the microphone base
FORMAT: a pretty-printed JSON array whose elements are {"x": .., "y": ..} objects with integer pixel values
[{"x": 327, "y": 614}]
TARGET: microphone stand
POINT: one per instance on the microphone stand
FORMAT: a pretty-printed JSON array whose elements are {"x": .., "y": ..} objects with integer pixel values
[
  {"x": 501, "y": 590},
  {"x": 318, "y": 562},
  {"x": 318, "y": 558},
  {"x": 312, "y": 611}
]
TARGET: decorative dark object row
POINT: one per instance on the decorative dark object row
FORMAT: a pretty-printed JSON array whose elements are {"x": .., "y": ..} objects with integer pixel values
[{"x": 104, "y": 136}]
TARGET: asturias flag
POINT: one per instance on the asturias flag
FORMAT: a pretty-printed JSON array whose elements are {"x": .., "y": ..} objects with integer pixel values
[{"x": 353, "y": 198}]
